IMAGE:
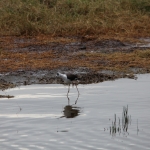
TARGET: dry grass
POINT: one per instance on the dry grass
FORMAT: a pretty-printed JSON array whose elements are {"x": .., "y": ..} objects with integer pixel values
[
  {"x": 80, "y": 17},
  {"x": 96, "y": 61},
  {"x": 116, "y": 61}
]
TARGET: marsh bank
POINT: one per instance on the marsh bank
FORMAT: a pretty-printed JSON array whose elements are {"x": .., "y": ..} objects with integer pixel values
[{"x": 21, "y": 59}]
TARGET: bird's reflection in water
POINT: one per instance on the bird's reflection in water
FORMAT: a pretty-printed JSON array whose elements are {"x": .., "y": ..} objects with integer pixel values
[{"x": 71, "y": 111}]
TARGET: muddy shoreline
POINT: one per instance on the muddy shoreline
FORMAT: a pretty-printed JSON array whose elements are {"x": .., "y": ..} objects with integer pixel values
[
  {"x": 69, "y": 47},
  {"x": 12, "y": 79}
]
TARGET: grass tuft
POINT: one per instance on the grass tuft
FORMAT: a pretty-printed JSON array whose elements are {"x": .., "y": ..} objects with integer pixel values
[{"x": 144, "y": 54}]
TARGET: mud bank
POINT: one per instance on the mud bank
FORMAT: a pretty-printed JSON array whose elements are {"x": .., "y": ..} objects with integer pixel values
[
  {"x": 71, "y": 44},
  {"x": 85, "y": 76},
  {"x": 80, "y": 56}
]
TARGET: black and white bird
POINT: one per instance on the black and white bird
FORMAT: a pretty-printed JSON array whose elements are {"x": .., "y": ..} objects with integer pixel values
[{"x": 69, "y": 78}]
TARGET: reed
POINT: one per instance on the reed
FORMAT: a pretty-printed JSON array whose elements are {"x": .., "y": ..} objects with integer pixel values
[{"x": 126, "y": 120}]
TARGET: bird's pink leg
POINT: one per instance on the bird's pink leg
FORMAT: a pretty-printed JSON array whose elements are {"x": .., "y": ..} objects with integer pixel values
[
  {"x": 77, "y": 89},
  {"x": 68, "y": 90}
]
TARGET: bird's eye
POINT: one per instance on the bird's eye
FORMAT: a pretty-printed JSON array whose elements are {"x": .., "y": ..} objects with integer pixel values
[{"x": 57, "y": 74}]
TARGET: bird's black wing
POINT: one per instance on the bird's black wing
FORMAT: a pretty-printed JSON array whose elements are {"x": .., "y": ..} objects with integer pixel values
[{"x": 72, "y": 76}]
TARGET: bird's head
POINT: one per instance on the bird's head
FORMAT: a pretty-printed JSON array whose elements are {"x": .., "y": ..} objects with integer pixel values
[{"x": 58, "y": 74}]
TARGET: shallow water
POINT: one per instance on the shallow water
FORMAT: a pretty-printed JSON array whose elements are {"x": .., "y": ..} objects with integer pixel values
[{"x": 39, "y": 117}]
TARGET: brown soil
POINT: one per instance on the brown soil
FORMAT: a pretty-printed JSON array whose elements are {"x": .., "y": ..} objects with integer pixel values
[{"x": 37, "y": 60}]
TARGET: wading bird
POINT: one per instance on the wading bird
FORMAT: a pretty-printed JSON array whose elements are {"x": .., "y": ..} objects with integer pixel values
[{"x": 69, "y": 78}]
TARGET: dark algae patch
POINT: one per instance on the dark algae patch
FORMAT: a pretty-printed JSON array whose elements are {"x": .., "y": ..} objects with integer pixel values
[{"x": 6, "y": 96}]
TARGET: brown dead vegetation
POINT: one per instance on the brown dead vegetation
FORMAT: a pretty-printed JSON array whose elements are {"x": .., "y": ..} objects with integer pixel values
[{"x": 54, "y": 59}]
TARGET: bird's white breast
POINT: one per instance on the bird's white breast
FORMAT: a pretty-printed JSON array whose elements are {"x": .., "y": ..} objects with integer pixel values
[{"x": 64, "y": 77}]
